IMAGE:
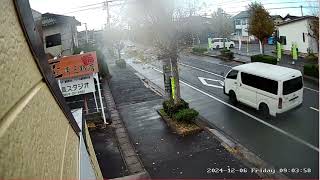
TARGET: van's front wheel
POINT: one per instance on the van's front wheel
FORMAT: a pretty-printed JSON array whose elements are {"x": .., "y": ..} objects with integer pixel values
[
  {"x": 264, "y": 110},
  {"x": 233, "y": 97}
]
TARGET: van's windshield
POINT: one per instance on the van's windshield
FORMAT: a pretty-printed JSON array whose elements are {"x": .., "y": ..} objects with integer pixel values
[{"x": 292, "y": 85}]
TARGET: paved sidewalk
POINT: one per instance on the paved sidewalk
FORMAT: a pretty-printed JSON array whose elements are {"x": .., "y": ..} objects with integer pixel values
[{"x": 163, "y": 153}]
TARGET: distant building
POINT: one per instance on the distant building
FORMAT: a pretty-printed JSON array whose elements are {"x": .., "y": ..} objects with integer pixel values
[
  {"x": 297, "y": 31},
  {"x": 59, "y": 33},
  {"x": 277, "y": 19},
  {"x": 289, "y": 17},
  {"x": 241, "y": 26}
]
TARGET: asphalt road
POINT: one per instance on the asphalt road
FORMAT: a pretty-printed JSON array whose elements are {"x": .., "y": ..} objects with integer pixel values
[{"x": 289, "y": 140}]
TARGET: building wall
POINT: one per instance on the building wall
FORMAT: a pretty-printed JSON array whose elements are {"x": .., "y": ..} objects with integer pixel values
[
  {"x": 242, "y": 27},
  {"x": 294, "y": 34},
  {"x": 36, "y": 139},
  {"x": 66, "y": 31}
]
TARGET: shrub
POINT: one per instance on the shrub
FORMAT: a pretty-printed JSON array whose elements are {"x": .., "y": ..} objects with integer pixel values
[
  {"x": 170, "y": 108},
  {"x": 186, "y": 115},
  {"x": 311, "y": 57},
  {"x": 121, "y": 63},
  {"x": 311, "y": 70},
  {"x": 199, "y": 50},
  {"x": 264, "y": 58},
  {"x": 227, "y": 53}
]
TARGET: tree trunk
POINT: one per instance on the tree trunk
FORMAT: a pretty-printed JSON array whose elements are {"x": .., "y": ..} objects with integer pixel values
[
  {"x": 260, "y": 46},
  {"x": 166, "y": 78},
  {"x": 119, "y": 53},
  {"x": 175, "y": 75}
]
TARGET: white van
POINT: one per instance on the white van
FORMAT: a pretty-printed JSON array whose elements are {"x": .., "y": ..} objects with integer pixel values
[
  {"x": 217, "y": 43},
  {"x": 268, "y": 88}
]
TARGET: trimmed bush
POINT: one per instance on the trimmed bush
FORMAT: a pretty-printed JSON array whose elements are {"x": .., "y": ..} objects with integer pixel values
[
  {"x": 186, "y": 115},
  {"x": 121, "y": 63},
  {"x": 170, "y": 108},
  {"x": 264, "y": 59},
  {"x": 311, "y": 58},
  {"x": 199, "y": 50},
  {"x": 311, "y": 70},
  {"x": 227, "y": 53}
]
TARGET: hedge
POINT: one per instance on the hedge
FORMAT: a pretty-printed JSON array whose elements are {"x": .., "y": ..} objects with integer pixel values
[
  {"x": 311, "y": 70},
  {"x": 186, "y": 115},
  {"x": 264, "y": 58},
  {"x": 227, "y": 53},
  {"x": 170, "y": 108},
  {"x": 121, "y": 63},
  {"x": 199, "y": 50},
  {"x": 311, "y": 58}
]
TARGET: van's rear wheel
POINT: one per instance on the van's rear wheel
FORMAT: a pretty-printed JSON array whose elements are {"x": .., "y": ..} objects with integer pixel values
[
  {"x": 233, "y": 97},
  {"x": 231, "y": 45},
  {"x": 217, "y": 47},
  {"x": 264, "y": 110}
]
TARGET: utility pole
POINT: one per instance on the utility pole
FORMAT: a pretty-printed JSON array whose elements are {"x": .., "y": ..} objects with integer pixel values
[
  {"x": 87, "y": 40},
  {"x": 301, "y": 10},
  {"x": 106, "y": 7}
]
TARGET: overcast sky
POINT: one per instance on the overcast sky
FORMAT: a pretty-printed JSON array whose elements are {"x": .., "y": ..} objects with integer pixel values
[{"x": 96, "y": 16}]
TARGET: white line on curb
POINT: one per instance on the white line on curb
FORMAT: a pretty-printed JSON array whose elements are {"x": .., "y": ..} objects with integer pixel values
[
  {"x": 314, "y": 109},
  {"x": 311, "y": 89},
  {"x": 252, "y": 116}
]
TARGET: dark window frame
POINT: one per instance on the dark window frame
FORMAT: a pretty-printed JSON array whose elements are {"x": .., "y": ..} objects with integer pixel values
[
  {"x": 53, "y": 40},
  {"x": 35, "y": 43},
  {"x": 261, "y": 83},
  {"x": 229, "y": 76}
]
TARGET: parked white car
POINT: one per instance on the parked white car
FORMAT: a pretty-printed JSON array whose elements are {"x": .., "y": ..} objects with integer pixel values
[
  {"x": 217, "y": 43},
  {"x": 268, "y": 88}
]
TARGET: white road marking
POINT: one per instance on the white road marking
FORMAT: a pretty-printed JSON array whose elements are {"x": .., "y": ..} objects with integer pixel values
[
  {"x": 253, "y": 117},
  {"x": 311, "y": 89},
  {"x": 201, "y": 70},
  {"x": 204, "y": 82},
  {"x": 223, "y": 77},
  {"x": 314, "y": 109}
]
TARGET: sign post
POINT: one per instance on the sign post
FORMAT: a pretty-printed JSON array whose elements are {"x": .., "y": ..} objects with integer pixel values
[
  {"x": 95, "y": 75},
  {"x": 76, "y": 75}
]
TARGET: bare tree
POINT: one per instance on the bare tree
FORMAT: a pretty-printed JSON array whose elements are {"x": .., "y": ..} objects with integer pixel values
[
  {"x": 222, "y": 24},
  {"x": 260, "y": 24},
  {"x": 159, "y": 21}
]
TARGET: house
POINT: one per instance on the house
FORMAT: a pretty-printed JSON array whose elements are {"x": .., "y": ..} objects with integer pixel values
[
  {"x": 241, "y": 26},
  {"x": 277, "y": 19},
  {"x": 59, "y": 33},
  {"x": 289, "y": 17},
  {"x": 298, "y": 31}
]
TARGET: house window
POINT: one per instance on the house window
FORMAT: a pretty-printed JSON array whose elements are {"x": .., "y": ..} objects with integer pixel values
[
  {"x": 303, "y": 37},
  {"x": 244, "y": 21},
  {"x": 283, "y": 40},
  {"x": 238, "y": 21},
  {"x": 53, "y": 40}
]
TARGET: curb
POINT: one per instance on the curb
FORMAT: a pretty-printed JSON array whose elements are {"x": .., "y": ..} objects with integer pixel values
[
  {"x": 310, "y": 78},
  {"x": 247, "y": 157},
  {"x": 127, "y": 150}
]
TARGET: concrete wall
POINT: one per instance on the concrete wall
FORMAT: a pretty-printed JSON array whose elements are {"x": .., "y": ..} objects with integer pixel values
[
  {"x": 293, "y": 32},
  {"x": 66, "y": 31},
  {"x": 36, "y": 139}
]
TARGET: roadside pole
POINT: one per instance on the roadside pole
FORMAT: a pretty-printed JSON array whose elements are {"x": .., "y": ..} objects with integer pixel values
[{"x": 95, "y": 100}]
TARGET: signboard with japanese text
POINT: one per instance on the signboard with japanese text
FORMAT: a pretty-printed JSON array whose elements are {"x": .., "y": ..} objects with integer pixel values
[
  {"x": 77, "y": 85},
  {"x": 73, "y": 66}
]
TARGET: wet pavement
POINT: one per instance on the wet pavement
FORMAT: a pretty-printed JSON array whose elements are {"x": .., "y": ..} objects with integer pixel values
[
  {"x": 288, "y": 141},
  {"x": 164, "y": 153}
]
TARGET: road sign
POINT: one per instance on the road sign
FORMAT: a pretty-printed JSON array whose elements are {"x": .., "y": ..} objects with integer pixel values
[
  {"x": 219, "y": 83},
  {"x": 77, "y": 85},
  {"x": 76, "y": 65}
]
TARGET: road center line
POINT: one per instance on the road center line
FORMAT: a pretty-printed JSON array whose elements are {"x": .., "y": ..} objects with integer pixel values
[
  {"x": 223, "y": 77},
  {"x": 252, "y": 116},
  {"x": 314, "y": 109}
]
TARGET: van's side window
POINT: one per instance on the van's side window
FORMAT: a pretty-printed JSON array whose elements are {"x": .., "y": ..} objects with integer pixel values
[
  {"x": 261, "y": 83},
  {"x": 232, "y": 74}
]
